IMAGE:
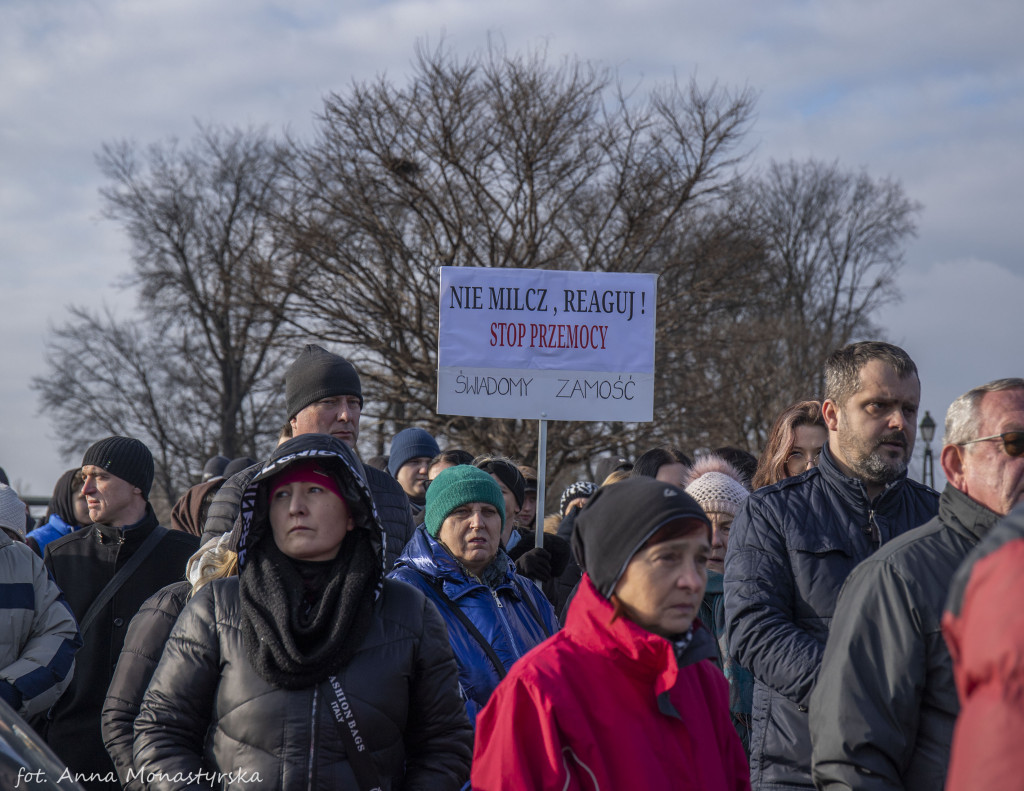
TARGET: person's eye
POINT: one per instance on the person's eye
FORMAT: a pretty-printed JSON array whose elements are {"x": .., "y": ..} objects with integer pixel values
[
  {"x": 280, "y": 494},
  {"x": 490, "y": 511},
  {"x": 796, "y": 454},
  {"x": 701, "y": 560}
]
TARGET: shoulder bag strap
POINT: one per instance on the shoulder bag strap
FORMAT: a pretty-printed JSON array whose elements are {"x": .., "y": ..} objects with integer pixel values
[
  {"x": 532, "y": 606},
  {"x": 355, "y": 745},
  {"x": 120, "y": 577},
  {"x": 499, "y": 667}
]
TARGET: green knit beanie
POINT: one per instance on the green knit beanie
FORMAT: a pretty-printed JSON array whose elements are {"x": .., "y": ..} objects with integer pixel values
[{"x": 457, "y": 486}]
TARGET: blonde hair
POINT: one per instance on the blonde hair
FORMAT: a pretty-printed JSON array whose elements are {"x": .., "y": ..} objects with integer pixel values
[
  {"x": 615, "y": 476},
  {"x": 217, "y": 563}
]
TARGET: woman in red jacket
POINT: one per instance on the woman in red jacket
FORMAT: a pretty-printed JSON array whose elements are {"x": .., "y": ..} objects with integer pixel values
[{"x": 624, "y": 696}]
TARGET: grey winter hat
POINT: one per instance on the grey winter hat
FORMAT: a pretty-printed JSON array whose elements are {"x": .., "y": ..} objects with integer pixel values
[
  {"x": 12, "y": 511},
  {"x": 317, "y": 373},
  {"x": 619, "y": 519},
  {"x": 125, "y": 457}
]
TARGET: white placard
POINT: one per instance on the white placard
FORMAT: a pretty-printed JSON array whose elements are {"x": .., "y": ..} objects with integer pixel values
[{"x": 533, "y": 343}]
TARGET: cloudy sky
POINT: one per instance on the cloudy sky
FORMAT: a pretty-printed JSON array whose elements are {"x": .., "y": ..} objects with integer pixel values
[{"x": 930, "y": 93}]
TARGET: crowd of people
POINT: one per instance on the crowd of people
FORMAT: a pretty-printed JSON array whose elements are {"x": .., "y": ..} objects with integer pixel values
[{"x": 809, "y": 618}]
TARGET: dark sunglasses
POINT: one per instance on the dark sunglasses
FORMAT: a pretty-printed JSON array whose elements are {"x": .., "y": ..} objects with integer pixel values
[{"x": 1013, "y": 442}]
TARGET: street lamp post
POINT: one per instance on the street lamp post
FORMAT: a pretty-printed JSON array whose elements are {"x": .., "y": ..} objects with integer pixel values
[{"x": 927, "y": 434}]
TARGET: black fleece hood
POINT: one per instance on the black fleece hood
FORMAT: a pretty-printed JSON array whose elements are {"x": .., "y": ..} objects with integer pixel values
[{"x": 253, "y": 524}]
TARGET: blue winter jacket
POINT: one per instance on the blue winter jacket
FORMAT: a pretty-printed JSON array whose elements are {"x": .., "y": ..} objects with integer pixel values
[
  {"x": 501, "y": 615},
  {"x": 791, "y": 547},
  {"x": 50, "y": 531}
]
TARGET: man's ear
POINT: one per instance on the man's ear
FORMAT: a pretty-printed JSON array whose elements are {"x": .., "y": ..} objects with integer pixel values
[
  {"x": 952, "y": 460},
  {"x": 830, "y": 412}
]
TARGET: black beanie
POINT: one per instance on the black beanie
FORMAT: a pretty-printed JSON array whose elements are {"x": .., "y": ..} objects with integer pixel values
[
  {"x": 619, "y": 519},
  {"x": 316, "y": 374},
  {"x": 508, "y": 474},
  {"x": 127, "y": 458}
]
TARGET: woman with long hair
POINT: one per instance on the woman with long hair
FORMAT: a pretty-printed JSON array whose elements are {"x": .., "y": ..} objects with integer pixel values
[{"x": 794, "y": 443}]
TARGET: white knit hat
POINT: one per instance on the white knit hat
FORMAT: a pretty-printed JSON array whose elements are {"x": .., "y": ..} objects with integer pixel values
[
  {"x": 716, "y": 485},
  {"x": 12, "y": 510}
]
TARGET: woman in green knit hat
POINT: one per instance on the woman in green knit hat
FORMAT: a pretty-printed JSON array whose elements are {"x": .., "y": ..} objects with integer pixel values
[{"x": 493, "y": 614}]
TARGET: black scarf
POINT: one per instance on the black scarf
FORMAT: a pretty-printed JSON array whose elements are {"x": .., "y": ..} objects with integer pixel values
[{"x": 294, "y": 639}]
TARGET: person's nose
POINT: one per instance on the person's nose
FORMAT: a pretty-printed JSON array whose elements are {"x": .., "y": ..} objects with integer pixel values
[
  {"x": 297, "y": 503},
  {"x": 716, "y": 539},
  {"x": 88, "y": 487},
  {"x": 690, "y": 576}
]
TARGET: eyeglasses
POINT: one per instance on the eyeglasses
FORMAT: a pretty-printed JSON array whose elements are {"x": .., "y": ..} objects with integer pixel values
[{"x": 1013, "y": 442}]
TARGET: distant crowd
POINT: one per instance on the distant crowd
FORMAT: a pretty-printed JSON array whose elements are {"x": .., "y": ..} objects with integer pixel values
[{"x": 809, "y": 618}]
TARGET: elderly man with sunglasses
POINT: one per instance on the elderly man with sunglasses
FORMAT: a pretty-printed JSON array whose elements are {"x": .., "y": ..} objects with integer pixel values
[{"x": 884, "y": 705}]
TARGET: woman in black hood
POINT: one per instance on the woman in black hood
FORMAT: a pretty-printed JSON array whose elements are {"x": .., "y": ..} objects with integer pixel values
[{"x": 308, "y": 669}]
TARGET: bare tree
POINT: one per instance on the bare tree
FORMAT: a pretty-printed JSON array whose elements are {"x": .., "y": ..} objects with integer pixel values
[
  {"x": 495, "y": 161},
  {"x": 197, "y": 370},
  {"x": 827, "y": 246}
]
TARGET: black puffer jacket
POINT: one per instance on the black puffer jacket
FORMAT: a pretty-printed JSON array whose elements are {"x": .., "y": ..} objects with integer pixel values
[
  {"x": 884, "y": 705},
  {"x": 143, "y": 645},
  {"x": 792, "y": 546},
  {"x": 209, "y": 711},
  {"x": 401, "y": 684},
  {"x": 388, "y": 495}
]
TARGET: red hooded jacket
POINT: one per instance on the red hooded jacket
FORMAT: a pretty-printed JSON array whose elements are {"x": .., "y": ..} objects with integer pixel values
[
  {"x": 984, "y": 629},
  {"x": 606, "y": 706}
]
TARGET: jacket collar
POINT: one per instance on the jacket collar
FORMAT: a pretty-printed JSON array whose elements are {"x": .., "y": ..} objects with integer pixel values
[
  {"x": 852, "y": 491},
  {"x": 634, "y": 649},
  {"x": 127, "y": 534},
  {"x": 428, "y": 556},
  {"x": 962, "y": 513}
]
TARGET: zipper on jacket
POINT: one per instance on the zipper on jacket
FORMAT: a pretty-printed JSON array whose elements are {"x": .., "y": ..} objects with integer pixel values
[
  {"x": 513, "y": 642},
  {"x": 312, "y": 743},
  {"x": 872, "y": 530}
]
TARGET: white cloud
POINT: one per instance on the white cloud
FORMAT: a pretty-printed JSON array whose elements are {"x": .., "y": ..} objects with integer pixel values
[{"x": 931, "y": 93}]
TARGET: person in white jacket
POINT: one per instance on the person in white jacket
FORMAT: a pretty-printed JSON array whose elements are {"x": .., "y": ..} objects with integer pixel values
[{"x": 40, "y": 636}]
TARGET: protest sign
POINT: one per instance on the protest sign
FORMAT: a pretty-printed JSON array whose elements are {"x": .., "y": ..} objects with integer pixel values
[{"x": 534, "y": 343}]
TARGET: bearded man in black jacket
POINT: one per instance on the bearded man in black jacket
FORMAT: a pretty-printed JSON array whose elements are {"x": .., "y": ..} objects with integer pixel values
[{"x": 884, "y": 707}]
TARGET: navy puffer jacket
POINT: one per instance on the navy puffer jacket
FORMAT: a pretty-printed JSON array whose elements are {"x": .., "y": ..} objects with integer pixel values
[
  {"x": 503, "y": 615},
  {"x": 792, "y": 545}
]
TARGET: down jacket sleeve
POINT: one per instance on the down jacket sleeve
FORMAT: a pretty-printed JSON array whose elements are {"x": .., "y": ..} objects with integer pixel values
[
  {"x": 438, "y": 738},
  {"x": 865, "y": 706},
  {"x": 178, "y": 704},
  {"x": 40, "y": 636},
  {"x": 143, "y": 645},
  {"x": 764, "y": 635}
]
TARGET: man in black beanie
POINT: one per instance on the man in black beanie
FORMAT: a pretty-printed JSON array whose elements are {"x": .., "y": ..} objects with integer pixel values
[
  {"x": 323, "y": 395},
  {"x": 89, "y": 565}
]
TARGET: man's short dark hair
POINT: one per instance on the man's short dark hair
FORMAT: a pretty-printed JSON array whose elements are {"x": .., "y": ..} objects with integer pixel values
[{"x": 843, "y": 366}]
